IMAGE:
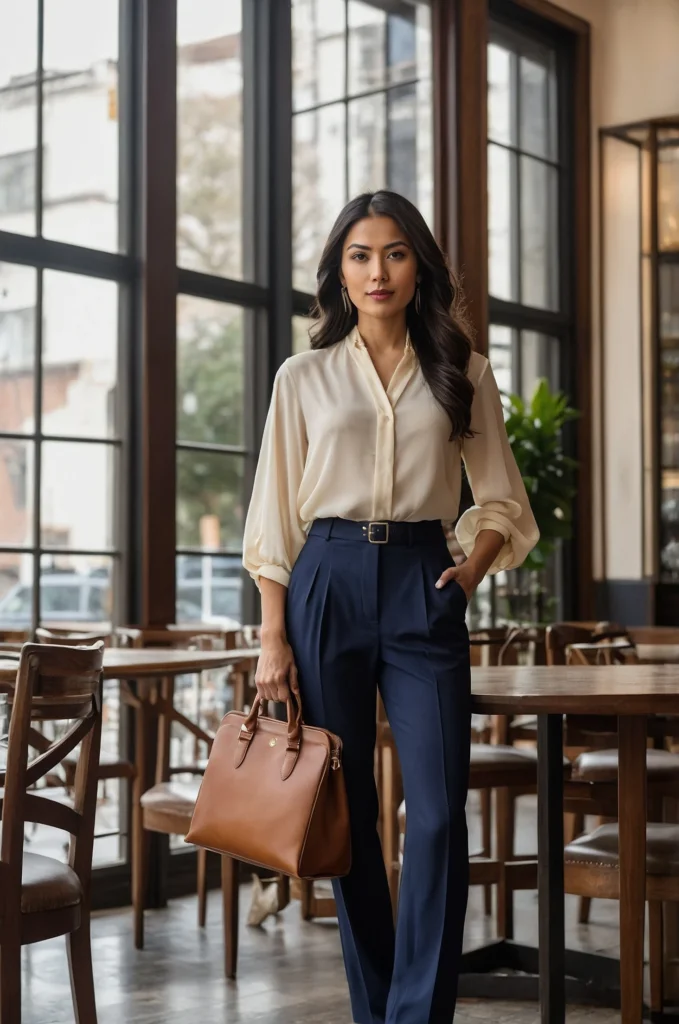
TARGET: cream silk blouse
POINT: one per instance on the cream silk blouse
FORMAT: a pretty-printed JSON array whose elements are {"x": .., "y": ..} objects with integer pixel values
[{"x": 336, "y": 443}]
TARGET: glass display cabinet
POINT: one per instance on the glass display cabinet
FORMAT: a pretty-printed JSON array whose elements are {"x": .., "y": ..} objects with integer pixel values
[{"x": 640, "y": 323}]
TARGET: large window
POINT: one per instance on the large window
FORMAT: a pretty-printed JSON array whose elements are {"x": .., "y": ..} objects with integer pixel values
[
  {"x": 60, "y": 425},
  {"x": 362, "y": 113},
  {"x": 525, "y": 178},
  {"x": 211, "y": 331},
  {"x": 210, "y": 137},
  {"x": 530, "y": 331},
  {"x": 63, "y": 284}
]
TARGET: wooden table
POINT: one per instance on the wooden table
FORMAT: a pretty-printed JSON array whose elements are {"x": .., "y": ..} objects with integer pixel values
[
  {"x": 147, "y": 666},
  {"x": 145, "y": 663},
  {"x": 632, "y": 692}
]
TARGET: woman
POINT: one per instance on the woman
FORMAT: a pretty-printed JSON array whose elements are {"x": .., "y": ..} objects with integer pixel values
[{"x": 360, "y": 462}]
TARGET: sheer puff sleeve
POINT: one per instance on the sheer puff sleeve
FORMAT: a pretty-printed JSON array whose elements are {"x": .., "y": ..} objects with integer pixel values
[
  {"x": 274, "y": 534},
  {"x": 500, "y": 499}
]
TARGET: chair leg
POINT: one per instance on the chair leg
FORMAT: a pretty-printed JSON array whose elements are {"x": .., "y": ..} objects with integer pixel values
[
  {"x": 201, "y": 883},
  {"x": 585, "y": 903},
  {"x": 230, "y": 868},
  {"x": 656, "y": 953},
  {"x": 10, "y": 983},
  {"x": 283, "y": 883},
  {"x": 505, "y": 825},
  {"x": 584, "y": 907},
  {"x": 140, "y": 845},
  {"x": 79, "y": 949},
  {"x": 306, "y": 902},
  {"x": 486, "y": 796},
  {"x": 574, "y": 826}
]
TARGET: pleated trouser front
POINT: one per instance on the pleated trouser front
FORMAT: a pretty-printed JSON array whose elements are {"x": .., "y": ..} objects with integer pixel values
[{"x": 361, "y": 616}]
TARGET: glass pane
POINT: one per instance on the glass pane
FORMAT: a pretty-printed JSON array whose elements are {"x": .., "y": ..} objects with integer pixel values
[
  {"x": 501, "y": 98},
  {"x": 668, "y": 195},
  {"x": 669, "y": 367},
  {"x": 210, "y": 137},
  {"x": 209, "y": 587},
  {"x": 18, "y": 115},
  {"x": 538, "y": 113},
  {"x": 669, "y": 525},
  {"x": 17, "y": 347},
  {"x": 209, "y": 500},
  {"x": 16, "y": 590},
  {"x": 210, "y": 371},
  {"x": 367, "y": 144},
  {"x": 501, "y": 356},
  {"x": 16, "y": 492},
  {"x": 319, "y": 186},
  {"x": 80, "y": 355},
  {"x": 502, "y": 245},
  {"x": 402, "y": 157},
  {"x": 80, "y": 113},
  {"x": 300, "y": 333},
  {"x": 402, "y": 45},
  {"x": 539, "y": 232},
  {"x": 539, "y": 359},
  {"x": 76, "y": 589},
  {"x": 318, "y": 53},
  {"x": 76, "y": 500},
  {"x": 367, "y": 47}
]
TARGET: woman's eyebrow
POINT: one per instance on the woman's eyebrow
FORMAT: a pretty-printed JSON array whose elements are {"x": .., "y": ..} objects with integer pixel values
[{"x": 389, "y": 245}]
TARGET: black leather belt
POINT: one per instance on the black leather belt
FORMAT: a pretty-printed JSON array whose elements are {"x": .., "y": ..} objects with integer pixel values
[{"x": 427, "y": 531}]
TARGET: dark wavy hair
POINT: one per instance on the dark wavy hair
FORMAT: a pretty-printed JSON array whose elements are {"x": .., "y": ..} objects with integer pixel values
[{"x": 440, "y": 333}]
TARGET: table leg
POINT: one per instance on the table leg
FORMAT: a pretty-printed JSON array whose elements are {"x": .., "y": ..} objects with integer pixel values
[
  {"x": 550, "y": 870},
  {"x": 632, "y": 842}
]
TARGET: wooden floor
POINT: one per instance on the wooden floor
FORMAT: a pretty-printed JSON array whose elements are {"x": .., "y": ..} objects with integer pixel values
[{"x": 290, "y": 972}]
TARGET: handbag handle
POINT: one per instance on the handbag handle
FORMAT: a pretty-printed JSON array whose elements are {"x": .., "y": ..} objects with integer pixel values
[{"x": 249, "y": 728}]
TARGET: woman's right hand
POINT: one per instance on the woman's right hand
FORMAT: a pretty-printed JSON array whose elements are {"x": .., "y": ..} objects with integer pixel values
[{"x": 276, "y": 670}]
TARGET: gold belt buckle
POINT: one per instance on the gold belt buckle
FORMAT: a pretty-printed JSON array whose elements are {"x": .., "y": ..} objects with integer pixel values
[{"x": 386, "y": 533}]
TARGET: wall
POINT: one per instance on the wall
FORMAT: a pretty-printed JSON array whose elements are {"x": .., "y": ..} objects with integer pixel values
[{"x": 635, "y": 75}]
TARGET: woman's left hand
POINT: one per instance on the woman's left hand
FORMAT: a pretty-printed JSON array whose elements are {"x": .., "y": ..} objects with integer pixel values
[{"x": 464, "y": 574}]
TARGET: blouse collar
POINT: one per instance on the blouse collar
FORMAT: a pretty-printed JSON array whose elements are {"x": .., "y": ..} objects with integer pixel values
[{"x": 357, "y": 341}]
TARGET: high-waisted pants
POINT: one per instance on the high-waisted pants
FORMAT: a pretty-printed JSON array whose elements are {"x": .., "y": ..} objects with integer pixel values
[{"x": 361, "y": 615}]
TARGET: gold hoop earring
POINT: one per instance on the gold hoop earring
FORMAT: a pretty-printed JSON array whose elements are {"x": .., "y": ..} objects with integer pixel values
[
  {"x": 418, "y": 303},
  {"x": 346, "y": 300}
]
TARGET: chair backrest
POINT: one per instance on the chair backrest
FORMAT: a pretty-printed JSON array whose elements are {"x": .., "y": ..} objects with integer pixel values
[
  {"x": 53, "y": 683},
  {"x": 166, "y": 636},
  {"x": 560, "y": 635},
  {"x": 485, "y": 645},
  {"x": 7, "y": 648},
  {"x": 14, "y": 636},
  {"x": 654, "y": 634},
  {"x": 68, "y": 638},
  {"x": 606, "y": 652},
  {"x": 530, "y": 639}
]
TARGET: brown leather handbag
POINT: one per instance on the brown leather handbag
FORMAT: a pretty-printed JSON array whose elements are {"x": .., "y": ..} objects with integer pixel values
[{"x": 273, "y": 794}]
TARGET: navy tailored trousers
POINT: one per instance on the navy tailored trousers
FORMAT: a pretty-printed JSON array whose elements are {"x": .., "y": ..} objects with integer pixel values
[{"x": 362, "y": 615}]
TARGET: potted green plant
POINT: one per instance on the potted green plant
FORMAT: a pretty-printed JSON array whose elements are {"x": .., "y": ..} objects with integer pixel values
[{"x": 535, "y": 431}]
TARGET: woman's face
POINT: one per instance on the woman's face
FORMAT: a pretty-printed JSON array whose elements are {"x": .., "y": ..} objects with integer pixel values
[{"x": 379, "y": 267}]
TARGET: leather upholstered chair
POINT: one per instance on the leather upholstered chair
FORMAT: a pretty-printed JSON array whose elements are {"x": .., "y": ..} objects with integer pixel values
[{"x": 40, "y": 896}]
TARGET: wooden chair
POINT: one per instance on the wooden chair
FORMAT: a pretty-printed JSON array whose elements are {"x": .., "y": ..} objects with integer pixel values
[
  {"x": 598, "y": 766},
  {"x": 71, "y": 638},
  {"x": 495, "y": 767},
  {"x": 167, "y": 807},
  {"x": 111, "y": 765},
  {"x": 175, "y": 637},
  {"x": 40, "y": 897},
  {"x": 592, "y": 870}
]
